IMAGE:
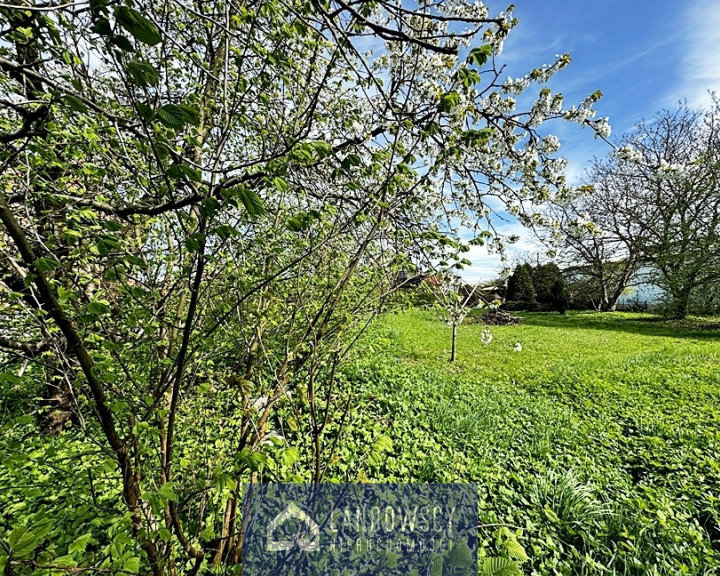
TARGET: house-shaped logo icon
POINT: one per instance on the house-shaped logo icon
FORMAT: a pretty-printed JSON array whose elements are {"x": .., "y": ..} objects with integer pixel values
[{"x": 307, "y": 539}]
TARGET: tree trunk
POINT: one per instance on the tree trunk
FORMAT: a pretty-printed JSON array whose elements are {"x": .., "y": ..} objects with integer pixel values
[
  {"x": 57, "y": 404},
  {"x": 680, "y": 305},
  {"x": 610, "y": 304},
  {"x": 454, "y": 342}
]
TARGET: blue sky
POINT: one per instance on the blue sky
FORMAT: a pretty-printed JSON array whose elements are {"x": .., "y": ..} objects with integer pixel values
[{"x": 644, "y": 55}]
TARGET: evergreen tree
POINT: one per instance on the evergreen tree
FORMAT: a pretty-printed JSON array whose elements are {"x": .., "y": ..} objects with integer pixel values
[
  {"x": 520, "y": 285},
  {"x": 560, "y": 295},
  {"x": 544, "y": 278}
]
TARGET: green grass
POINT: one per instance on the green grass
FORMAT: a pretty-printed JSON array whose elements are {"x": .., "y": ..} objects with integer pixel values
[
  {"x": 600, "y": 438},
  {"x": 596, "y": 448}
]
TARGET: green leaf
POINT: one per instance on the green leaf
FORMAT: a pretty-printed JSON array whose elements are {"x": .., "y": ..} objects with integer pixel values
[
  {"x": 166, "y": 491},
  {"x": 171, "y": 116},
  {"x": 297, "y": 223},
  {"x": 301, "y": 221},
  {"x": 13, "y": 379},
  {"x": 45, "y": 264},
  {"x": 468, "y": 77},
  {"x": 133, "y": 260},
  {"x": 112, "y": 226},
  {"x": 102, "y": 27},
  {"x": 96, "y": 5},
  {"x": 322, "y": 149},
  {"x": 98, "y": 307},
  {"x": 123, "y": 43},
  {"x": 194, "y": 242},
  {"x": 477, "y": 137},
  {"x": 80, "y": 544},
  {"x": 193, "y": 173},
  {"x": 143, "y": 73},
  {"x": 209, "y": 206},
  {"x": 383, "y": 444},
  {"x": 22, "y": 542},
  {"x": 66, "y": 561},
  {"x": 499, "y": 567},
  {"x": 449, "y": 101},
  {"x": 146, "y": 112},
  {"x": 21, "y": 35},
  {"x": 515, "y": 550},
  {"x": 225, "y": 231},
  {"x": 132, "y": 564},
  {"x": 436, "y": 566},
  {"x": 74, "y": 103},
  {"x": 164, "y": 534},
  {"x": 139, "y": 27},
  {"x": 290, "y": 456},
  {"x": 106, "y": 243},
  {"x": 460, "y": 555},
  {"x": 249, "y": 199},
  {"x": 190, "y": 114},
  {"x": 351, "y": 160},
  {"x": 550, "y": 514},
  {"x": 281, "y": 184},
  {"x": 254, "y": 460},
  {"x": 302, "y": 154},
  {"x": 479, "y": 55},
  {"x": 174, "y": 171}
]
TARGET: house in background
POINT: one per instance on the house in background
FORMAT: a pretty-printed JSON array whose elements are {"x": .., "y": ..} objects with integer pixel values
[{"x": 642, "y": 292}]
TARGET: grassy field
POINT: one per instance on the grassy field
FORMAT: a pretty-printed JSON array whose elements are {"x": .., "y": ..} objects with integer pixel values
[{"x": 597, "y": 444}]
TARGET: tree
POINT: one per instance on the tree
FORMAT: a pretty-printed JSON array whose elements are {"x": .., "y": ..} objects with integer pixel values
[
  {"x": 544, "y": 280},
  {"x": 659, "y": 195},
  {"x": 455, "y": 299},
  {"x": 559, "y": 295},
  {"x": 538, "y": 287},
  {"x": 593, "y": 239},
  {"x": 520, "y": 285},
  {"x": 203, "y": 204}
]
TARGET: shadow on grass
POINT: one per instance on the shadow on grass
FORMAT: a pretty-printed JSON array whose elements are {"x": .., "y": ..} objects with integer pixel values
[{"x": 643, "y": 324}]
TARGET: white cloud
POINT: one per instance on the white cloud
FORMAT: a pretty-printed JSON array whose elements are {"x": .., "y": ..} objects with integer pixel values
[
  {"x": 486, "y": 266},
  {"x": 701, "y": 65}
]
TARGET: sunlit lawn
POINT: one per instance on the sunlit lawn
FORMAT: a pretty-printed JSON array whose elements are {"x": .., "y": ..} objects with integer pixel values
[{"x": 600, "y": 437}]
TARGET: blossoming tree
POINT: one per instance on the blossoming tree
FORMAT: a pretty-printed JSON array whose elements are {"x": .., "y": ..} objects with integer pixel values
[
  {"x": 654, "y": 203},
  {"x": 202, "y": 205}
]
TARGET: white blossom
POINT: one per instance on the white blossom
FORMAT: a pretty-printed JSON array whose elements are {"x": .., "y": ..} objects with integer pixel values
[
  {"x": 550, "y": 144},
  {"x": 486, "y": 336},
  {"x": 627, "y": 153},
  {"x": 556, "y": 104},
  {"x": 515, "y": 85},
  {"x": 667, "y": 171},
  {"x": 579, "y": 114},
  {"x": 602, "y": 127},
  {"x": 465, "y": 9}
]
